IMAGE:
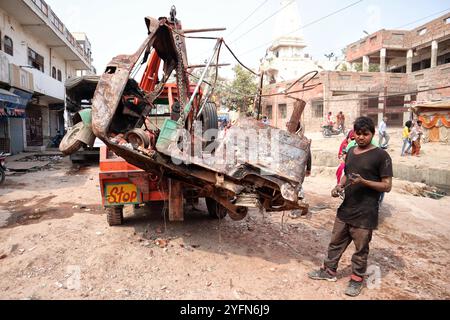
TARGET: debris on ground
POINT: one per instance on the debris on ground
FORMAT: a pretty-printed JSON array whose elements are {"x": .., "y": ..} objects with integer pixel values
[
  {"x": 162, "y": 243},
  {"x": 35, "y": 162},
  {"x": 421, "y": 190}
]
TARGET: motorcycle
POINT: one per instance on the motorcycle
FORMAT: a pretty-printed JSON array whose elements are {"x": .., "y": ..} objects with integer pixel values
[
  {"x": 328, "y": 131},
  {"x": 3, "y": 157},
  {"x": 56, "y": 140}
]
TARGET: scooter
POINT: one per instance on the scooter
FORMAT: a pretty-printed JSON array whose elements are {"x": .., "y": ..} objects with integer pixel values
[
  {"x": 56, "y": 140},
  {"x": 3, "y": 157},
  {"x": 328, "y": 131}
]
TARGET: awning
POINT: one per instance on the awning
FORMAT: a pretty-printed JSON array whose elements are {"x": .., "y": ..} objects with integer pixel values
[
  {"x": 432, "y": 107},
  {"x": 12, "y": 98},
  {"x": 13, "y": 105}
]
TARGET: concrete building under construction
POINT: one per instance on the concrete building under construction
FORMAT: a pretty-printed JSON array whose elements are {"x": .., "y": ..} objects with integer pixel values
[{"x": 407, "y": 67}]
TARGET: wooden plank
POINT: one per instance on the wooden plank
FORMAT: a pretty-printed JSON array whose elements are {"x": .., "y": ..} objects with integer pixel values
[{"x": 175, "y": 201}]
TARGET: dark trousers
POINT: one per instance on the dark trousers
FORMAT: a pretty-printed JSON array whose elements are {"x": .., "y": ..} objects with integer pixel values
[{"x": 343, "y": 235}]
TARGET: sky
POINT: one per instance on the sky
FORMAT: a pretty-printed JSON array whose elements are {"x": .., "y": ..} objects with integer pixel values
[{"x": 117, "y": 27}]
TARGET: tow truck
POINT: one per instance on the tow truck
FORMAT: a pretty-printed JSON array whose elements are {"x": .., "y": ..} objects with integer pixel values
[{"x": 152, "y": 130}]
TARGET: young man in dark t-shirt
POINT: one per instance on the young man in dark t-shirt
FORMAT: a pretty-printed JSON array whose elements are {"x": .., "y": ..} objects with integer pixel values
[{"x": 368, "y": 173}]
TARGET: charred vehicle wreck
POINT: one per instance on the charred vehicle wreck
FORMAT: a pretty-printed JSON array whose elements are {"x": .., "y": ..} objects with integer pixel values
[{"x": 251, "y": 165}]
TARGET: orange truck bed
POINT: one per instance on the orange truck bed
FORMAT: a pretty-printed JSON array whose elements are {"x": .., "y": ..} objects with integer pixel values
[{"x": 122, "y": 183}]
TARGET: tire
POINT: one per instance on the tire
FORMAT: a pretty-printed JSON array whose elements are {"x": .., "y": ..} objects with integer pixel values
[
  {"x": 325, "y": 133},
  {"x": 2, "y": 176},
  {"x": 69, "y": 144},
  {"x": 209, "y": 120},
  {"x": 114, "y": 216},
  {"x": 215, "y": 210}
]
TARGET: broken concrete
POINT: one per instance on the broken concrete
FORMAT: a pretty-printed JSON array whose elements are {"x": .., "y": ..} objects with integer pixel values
[{"x": 27, "y": 165}]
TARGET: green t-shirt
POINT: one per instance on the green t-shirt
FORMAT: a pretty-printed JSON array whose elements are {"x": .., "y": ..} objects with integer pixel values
[{"x": 354, "y": 144}]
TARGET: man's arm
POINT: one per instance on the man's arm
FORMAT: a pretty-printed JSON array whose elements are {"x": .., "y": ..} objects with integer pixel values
[
  {"x": 384, "y": 186},
  {"x": 339, "y": 188}
]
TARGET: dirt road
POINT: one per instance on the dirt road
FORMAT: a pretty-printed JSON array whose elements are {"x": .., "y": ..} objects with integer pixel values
[{"x": 55, "y": 244}]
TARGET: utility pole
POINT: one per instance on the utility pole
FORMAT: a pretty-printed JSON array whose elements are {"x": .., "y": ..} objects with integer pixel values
[{"x": 259, "y": 103}]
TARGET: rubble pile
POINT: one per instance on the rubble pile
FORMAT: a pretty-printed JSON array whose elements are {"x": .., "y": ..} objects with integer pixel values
[{"x": 34, "y": 158}]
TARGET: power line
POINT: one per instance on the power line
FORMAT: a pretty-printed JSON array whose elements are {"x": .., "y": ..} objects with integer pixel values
[
  {"x": 378, "y": 96},
  {"x": 248, "y": 17},
  {"x": 307, "y": 25},
  {"x": 431, "y": 15},
  {"x": 262, "y": 22}
]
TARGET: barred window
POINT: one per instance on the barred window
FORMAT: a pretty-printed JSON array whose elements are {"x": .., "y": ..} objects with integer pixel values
[{"x": 9, "y": 46}]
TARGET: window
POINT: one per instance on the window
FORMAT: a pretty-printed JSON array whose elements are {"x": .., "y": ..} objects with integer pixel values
[
  {"x": 9, "y": 46},
  {"x": 269, "y": 112},
  {"x": 447, "y": 20},
  {"x": 317, "y": 107},
  {"x": 398, "y": 37},
  {"x": 59, "y": 75},
  {"x": 35, "y": 60},
  {"x": 422, "y": 31},
  {"x": 373, "y": 102},
  {"x": 282, "y": 109},
  {"x": 53, "y": 72}
]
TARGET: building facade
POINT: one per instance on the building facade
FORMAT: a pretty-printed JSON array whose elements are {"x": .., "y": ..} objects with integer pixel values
[
  {"x": 38, "y": 54},
  {"x": 414, "y": 66}
]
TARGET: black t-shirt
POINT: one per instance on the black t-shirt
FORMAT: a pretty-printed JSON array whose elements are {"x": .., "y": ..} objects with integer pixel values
[{"x": 361, "y": 204}]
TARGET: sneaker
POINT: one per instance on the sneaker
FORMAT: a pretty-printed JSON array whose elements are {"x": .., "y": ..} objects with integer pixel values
[
  {"x": 322, "y": 274},
  {"x": 354, "y": 288}
]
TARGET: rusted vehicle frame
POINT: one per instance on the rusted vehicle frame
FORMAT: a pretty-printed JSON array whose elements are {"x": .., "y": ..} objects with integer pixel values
[{"x": 238, "y": 182}]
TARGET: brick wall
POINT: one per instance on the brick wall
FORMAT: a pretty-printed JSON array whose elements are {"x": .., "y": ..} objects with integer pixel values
[
  {"x": 399, "y": 39},
  {"x": 436, "y": 29},
  {"x": 429, "y": 79}
]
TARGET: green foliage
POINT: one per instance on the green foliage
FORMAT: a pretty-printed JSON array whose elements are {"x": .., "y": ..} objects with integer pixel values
[
  {"x": 241, "y": 96},
  {"x": 344, "y": 67},
  {"x": 372, "y": 67}
]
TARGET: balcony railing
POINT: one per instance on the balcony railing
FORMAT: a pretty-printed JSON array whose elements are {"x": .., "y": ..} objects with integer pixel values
[{"x": 42, "y": 6}]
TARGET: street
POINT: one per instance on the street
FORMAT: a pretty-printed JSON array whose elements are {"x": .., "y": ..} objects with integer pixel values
[{"x": 56, "y": 244}]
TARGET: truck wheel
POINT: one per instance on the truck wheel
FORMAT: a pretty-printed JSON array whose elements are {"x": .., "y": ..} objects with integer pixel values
[
  {"x": 215, "y": 209},
  {"x": 114, "y": 216},
  {"x": 70, "y": 144},
  {"x": 210, "y": 121},
  {"x": 2, "y": 176}
]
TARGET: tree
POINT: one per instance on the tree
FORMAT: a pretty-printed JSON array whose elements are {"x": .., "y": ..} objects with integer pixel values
[
  {"x": 372, "y": 67},
  {"x": 329, "y": 56},
  {"x": 344, "y": 67},
  {"x": 241, "y": 95}
]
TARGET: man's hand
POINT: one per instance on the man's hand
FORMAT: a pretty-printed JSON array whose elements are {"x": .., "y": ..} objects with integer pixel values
[
  {"x": 356, "y": 179},
  {"x": 337, "y": 191}
]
